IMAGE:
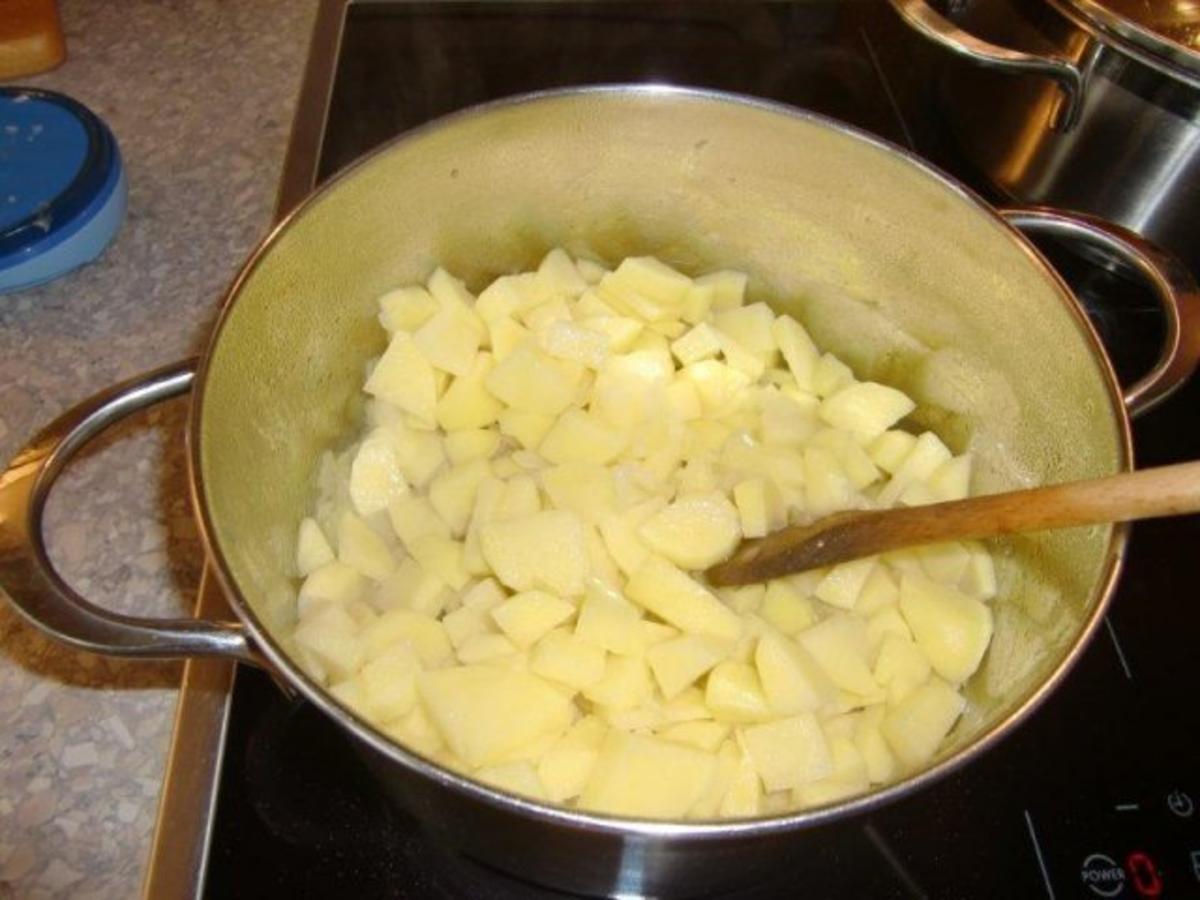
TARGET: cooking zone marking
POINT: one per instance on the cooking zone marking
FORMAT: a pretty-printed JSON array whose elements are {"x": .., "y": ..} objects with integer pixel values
[
  {"x": 1112, "y": 633},
  {"x": 1037, "y": 849}
]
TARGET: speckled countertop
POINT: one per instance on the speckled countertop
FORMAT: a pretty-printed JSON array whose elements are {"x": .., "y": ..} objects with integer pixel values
[{"x": 200, "y": 95}]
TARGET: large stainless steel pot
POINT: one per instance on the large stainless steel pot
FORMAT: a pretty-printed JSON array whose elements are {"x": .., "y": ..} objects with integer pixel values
[
  {"x": 901, "y": 271},
  {"x": 1096, "y": 106}
]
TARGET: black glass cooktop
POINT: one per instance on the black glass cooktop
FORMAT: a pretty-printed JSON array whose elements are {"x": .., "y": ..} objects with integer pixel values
[{"x": 1094, "y": 797}]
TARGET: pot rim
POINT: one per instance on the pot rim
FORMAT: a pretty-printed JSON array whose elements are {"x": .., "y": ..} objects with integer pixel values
[{"x": 703, "y": 830}]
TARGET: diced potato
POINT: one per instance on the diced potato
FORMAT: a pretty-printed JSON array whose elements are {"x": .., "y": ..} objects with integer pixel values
[
  {"x": 418, "y": 453},
  {"x": 406, "y": 308},
  {"x": 448, "y": 290},
  {"x": 527, "y": 616},
  {"x": 843, "y": 583},
  {"x": 620, "y": 331},
  {"x": 927, "y": 454},
  {"x": 625, "y": 684},
  {"x": 559, "y": 273},
  {"x": 533, "y": 382},
  {"x": 389, "y": 684},
  {"x": 312, "y": 549},
  {"x": 751, "y": 327},
  {"x": 734, "y": 693},
  {"x": 830, "y": 375},
  {"x": 412, "y": 587},
  {"x": 514, "y": 777},
  {"x": 361, "y": 548},
  {"x": 545, "y": 550},
  {"x": 584, "y": 488},
  {"x": 484, "y": 712},
  {"x": 330, "y": 634},
  {"x": 791, "y": 681},
  {"x": 425, "y": 634},
  {"x": 652, "y": 279},
  {"x": 698, "y": 301},
  {"x": 744, "y": 795},
  {"x": 467, "y": 403},
  {"x": 701, "y": 342},
  {"x": 576, "y": 342},
  {"x": 799, "y": 352},
  {"x": 879, "y": 590},
  {"x": 717, "y": 383},
  {"x": 335, "y": 582},
  {"x": 566, "y": 658},
  {"x": 900, "y": 666},
  {"x": 620, "y": 533},
  {"x": 890, "y": 449},
  {"x": 677, "y": 598},
  {"x": 826, "y": 487},
  {"x": 413, "y": 518},
  {"x": 884, "y": 622},
  {"x": 577, "y": 436},
  {"x": 759, "y": 507},
  {"x": 952, "y": 479},
  {"x": 916, "y": 726},
  {"x": 681, "y": 661},
  {"x": 787, "y": 419},
  {"x": 451, "y": 338},
  {"x": 404, "y": 377},
  {"x": 866, "y": 409},
  {"x": 505, "y": 335},
  {"x": 416, "y": 732},
  {"x": 499, "y": 300},
  {"x": 444, "y": 558},
  {"x": 565, "y": 767},
  {"x": 486, "y": 647},
  {"x": 695, "y": 531},
  {"x": 848, "y": 777},
  {"x": 609, "y": 621},
  {"x": 980, "y": 578},
  {"x": 728, "y": 287},
  {"x": 375, "y": 475},
  {"x": 745, "y": 600},
  {"x": 788, "y": 752},
  {"x": 638, "y": 775},
  {"x": 472, "y": 443},
  {"x": 945, "y": 563},
  {"x": 540, "y": 317},
  {"x": 786, "y": 609},
  {"x": 703, "y": 735},
  {"x": 868, "y": 738},
  {"x": 465, "y": 623},
  {"x": 527, "y": 428},
  {"x": 952, "y": 629},
  {"x": 840, "y": 646}
]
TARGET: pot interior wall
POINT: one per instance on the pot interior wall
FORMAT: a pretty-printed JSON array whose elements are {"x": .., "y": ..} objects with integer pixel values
[{"x": 902, "y": 276}]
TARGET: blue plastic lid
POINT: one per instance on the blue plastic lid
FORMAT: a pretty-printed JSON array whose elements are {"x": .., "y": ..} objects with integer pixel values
[{"x": 62, "y": 187}]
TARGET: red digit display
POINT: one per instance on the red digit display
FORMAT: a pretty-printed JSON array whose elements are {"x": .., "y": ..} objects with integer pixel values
[{"x": 1144, "y": 874}]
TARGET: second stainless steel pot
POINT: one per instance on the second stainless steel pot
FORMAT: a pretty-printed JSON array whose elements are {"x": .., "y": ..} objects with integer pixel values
[
  {"x": 891, "y": 265},
  {"x": 1080, "y": 106}
]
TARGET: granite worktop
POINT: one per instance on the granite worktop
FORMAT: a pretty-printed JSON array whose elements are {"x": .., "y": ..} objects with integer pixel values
[{"x": 200, "y": 95}]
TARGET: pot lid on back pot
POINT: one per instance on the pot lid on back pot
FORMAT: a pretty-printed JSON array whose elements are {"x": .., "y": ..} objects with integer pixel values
[{"x": 1163, "y": 33}]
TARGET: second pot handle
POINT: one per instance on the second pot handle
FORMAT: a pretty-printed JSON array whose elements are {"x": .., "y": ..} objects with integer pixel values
[
  {"x": 27, "y": 575},
  {"x": 932, "y": 25},
  {"x": 1172, "y": 282}
]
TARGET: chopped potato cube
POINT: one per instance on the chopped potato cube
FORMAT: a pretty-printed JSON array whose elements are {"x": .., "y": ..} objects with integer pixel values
[
  {"x": 639, "y": 775},
  {"x": 484, "y": 712},
  {"x": 787, "y": 753}
]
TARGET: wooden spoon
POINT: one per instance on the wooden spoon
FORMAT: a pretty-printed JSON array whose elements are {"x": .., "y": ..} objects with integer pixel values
[{"x": 1165, "y": 491}]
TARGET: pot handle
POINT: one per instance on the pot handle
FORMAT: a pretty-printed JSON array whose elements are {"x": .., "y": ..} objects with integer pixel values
[
  {"x": 1173, "y": 285},
  {"x": 931, "y": 24},
  {"x": 28, "y": 577}
]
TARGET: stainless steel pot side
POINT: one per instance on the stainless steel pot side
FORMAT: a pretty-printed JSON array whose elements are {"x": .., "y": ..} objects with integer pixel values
[
  {"x": 1086, "y": 108},
  {"x": 904, "y": 273}
]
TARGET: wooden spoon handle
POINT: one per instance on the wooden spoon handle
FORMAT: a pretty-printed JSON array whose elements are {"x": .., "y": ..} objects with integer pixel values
[{"x": 1164, "y": 491}]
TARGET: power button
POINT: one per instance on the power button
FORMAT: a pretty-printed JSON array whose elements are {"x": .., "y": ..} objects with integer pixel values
[{"x": 1181, "y": 804}]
